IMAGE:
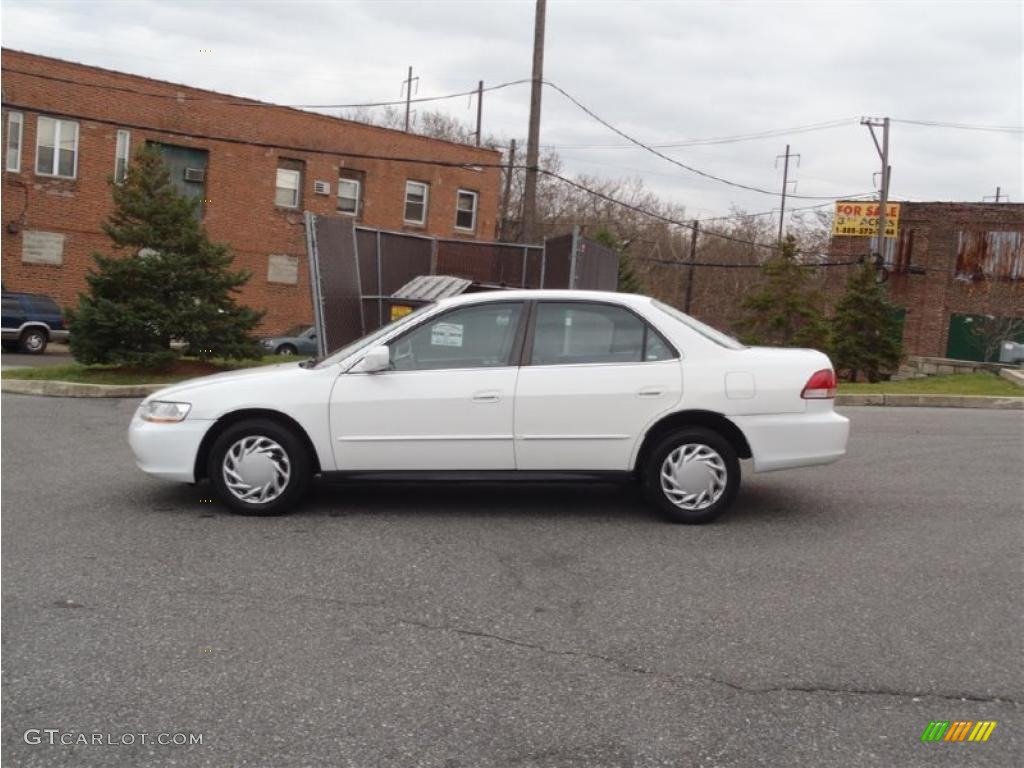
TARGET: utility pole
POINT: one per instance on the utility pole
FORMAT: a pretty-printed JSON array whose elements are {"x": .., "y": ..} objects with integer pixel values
[
  {"x": 529, "y": 233},
  {"x": 785, "y": 184},
  {"x": 883, "y": 154},
  {"x": 692, "y": 266},
  {"x": 503, "y": 231},
  {"x": 407, "y": 88},
  {"x": 479, "y": 109},
  {"x": 997, "y": 197}
]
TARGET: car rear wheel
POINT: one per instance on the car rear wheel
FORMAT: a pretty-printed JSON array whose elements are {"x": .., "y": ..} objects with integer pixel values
[
  {"x": 285, "y": 349},
  {"x": 692, "y": 475},
  {"x": 33, "y": 341},
  {"x": 259, "y": 467}
]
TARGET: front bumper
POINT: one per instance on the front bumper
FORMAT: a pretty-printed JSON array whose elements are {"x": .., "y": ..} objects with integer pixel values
[
  {"x": 167, "y": 450},
  {"x": 788, "y": 440}
]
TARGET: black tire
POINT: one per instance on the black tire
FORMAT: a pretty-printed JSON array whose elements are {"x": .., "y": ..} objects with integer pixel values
[
  {"x": 34, "y": 341},
  {"x": 713, "y": 467},
  {"x": 286, "y": 349},
  {"x": 295, "y": 454}
]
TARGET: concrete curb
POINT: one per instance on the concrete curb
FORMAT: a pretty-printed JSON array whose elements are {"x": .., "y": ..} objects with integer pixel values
[
  {"x": 1015, "y": 375},
  {"x": 46, "y": 388},
  {"x": 934, "y": 401}
]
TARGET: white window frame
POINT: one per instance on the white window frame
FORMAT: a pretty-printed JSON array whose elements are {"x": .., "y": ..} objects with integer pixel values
[
  {"x": 297, "y": 190},
  {"x": 476, "y": 202},
  {"x": 58, "y": 122},
  {"x": 359, "y": 195},
  {"x": 426, "y": 202},
  {"x": 14, "y": 119},
  {"x": 122, "y": 153}
]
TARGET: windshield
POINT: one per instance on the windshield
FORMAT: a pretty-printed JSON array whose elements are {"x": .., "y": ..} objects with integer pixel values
[
  {"x": 350, "y": 349},
  {"x": 712, "y": 334},
  {"x": 296, "y": 330}
]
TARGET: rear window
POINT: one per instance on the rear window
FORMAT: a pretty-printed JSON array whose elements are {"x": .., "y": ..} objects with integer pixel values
[{"x": 709, "y": 333}]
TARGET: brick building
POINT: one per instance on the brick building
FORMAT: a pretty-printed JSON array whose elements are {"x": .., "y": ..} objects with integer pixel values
[
  {"x": 949, "y": 263},
  {"x": 254, "y": 167}
]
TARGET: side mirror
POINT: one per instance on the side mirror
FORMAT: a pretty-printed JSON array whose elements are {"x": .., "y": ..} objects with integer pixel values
[{"x": 377, "y": 359}]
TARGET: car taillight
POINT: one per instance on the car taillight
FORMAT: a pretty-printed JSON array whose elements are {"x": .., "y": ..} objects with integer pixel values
[{"x": 821, "y": 385}]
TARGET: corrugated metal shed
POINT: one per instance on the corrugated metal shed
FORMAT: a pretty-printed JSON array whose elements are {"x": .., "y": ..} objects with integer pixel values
[{"x": 431, "y": 287}]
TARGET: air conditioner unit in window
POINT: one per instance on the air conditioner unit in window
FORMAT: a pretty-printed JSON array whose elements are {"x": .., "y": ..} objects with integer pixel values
[
  {"x": 322, "y": 187},
  {"x": 195, "y": 174}
]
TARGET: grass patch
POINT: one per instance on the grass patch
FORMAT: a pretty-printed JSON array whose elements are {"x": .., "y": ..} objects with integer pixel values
[
  {"x": 988, "y": 384},
  {"x": 185, "y": 368}
]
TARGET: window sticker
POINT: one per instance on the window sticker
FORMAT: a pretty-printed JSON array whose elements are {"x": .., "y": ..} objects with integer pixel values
[
  {"x": 502, "y": 320},
  {"x": 446, "y": 335}
]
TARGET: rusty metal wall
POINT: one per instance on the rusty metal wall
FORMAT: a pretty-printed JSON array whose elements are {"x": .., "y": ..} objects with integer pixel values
[{"x": 992, "y": 254}]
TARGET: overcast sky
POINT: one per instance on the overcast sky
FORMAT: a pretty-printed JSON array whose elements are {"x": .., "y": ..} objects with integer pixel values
[{"x": 663, "y": 72}]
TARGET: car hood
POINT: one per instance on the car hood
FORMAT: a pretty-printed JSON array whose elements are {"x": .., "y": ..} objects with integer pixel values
[{"x": 188, "y": 387}]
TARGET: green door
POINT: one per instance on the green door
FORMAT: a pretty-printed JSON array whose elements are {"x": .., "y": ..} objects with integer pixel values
[
  {"x": 188, "y": 171},
  {"x": 965, "y": 345}
]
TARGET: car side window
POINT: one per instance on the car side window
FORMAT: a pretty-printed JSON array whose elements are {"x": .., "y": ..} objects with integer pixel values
[
  {"x": 479, "y": 336},
  {"x": 657, "y": 348},
  {"x": 579, "y": 332}
]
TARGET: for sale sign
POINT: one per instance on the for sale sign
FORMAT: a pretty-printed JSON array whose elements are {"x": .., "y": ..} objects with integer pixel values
[{"x": 859, "y": 218}]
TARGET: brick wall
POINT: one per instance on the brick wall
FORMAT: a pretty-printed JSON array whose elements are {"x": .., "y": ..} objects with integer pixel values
[
  {"x": 240, "y": 176},
  {"x": 931, "y": 298}
]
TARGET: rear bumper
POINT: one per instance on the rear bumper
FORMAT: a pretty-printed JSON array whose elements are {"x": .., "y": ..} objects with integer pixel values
[
  {"x": 788, "y": 440},
  {"x": 167, "y": 450},
  {"x": 61, "y": 336}
]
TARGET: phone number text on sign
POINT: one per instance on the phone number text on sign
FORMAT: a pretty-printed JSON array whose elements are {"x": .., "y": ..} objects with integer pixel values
[{"x": 860, "y": 219}]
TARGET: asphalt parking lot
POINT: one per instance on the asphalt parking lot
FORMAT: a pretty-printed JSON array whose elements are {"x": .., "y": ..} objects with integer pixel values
[{"x": 824, "y": 621}]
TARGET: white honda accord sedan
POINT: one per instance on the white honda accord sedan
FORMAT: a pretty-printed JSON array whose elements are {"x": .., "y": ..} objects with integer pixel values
[{"x": 505, "y": 385}]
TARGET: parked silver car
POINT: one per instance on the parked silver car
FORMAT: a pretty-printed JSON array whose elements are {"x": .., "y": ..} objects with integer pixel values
[{"x": 298, "y": 340}]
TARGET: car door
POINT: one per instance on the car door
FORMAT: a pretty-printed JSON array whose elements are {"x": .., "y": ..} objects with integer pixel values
[
  {"x": 13, "y": 314},
  {"x": 446, "y": 403},
  {"x": 307, "y": 343},
  {"x": 594, "y": 376}
]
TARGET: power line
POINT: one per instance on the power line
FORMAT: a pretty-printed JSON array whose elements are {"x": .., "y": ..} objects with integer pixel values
[
  {"x": 962, "y": 126},
  {"x": 720, "y": 139},
  {"x": 240, "y": 101},
  {"x": 672, "y": 160},
  {"x": 340, "y": 152}
]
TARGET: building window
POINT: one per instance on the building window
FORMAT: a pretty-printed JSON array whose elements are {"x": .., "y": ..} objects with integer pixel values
[
  {"x": 14, "y": 123},
  {"x": 348, "y": 196},
  {"x": 121, "y": 157},
  {"x": 465, "y": 210},
  {"x": 289, "y": 183},
  {"x": 416, "y": 194},
  {"x": 56, "y": 147}
]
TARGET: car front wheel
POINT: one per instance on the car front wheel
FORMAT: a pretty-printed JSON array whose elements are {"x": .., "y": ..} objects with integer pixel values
[
  {"x": 285, "y": 349},
  {"x": 692, "y": 475},
  {"x": 34, "y": 341},
  {"x": 259, "y": 467}
]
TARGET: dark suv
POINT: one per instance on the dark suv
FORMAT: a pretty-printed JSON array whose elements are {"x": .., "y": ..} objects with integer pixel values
[{"x": 30, "y": 322}]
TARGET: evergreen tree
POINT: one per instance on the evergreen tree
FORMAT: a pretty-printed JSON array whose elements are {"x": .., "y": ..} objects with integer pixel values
[
  {"x": 866, "y": 329},
  {"x": 628, "y": 281},
  {"x": 168, "y": 283},
  {"x": 784, "y": 309}
]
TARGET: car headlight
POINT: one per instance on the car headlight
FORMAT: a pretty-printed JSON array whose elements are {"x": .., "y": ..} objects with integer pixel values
[{"x": 163, "y": 412}]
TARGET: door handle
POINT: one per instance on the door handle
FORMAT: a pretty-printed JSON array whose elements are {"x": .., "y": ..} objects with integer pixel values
[
  {"x": 488, "y": 396},
  {"x": 650, "y": 392}
]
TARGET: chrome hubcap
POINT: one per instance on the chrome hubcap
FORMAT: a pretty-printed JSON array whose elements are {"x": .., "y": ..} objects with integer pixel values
[
  {"x": 693, "y": 476},
  {"x": 33, "y": 341},
  {"x": 256, "y": 469},
  {"x": 284, "y": 351}
]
